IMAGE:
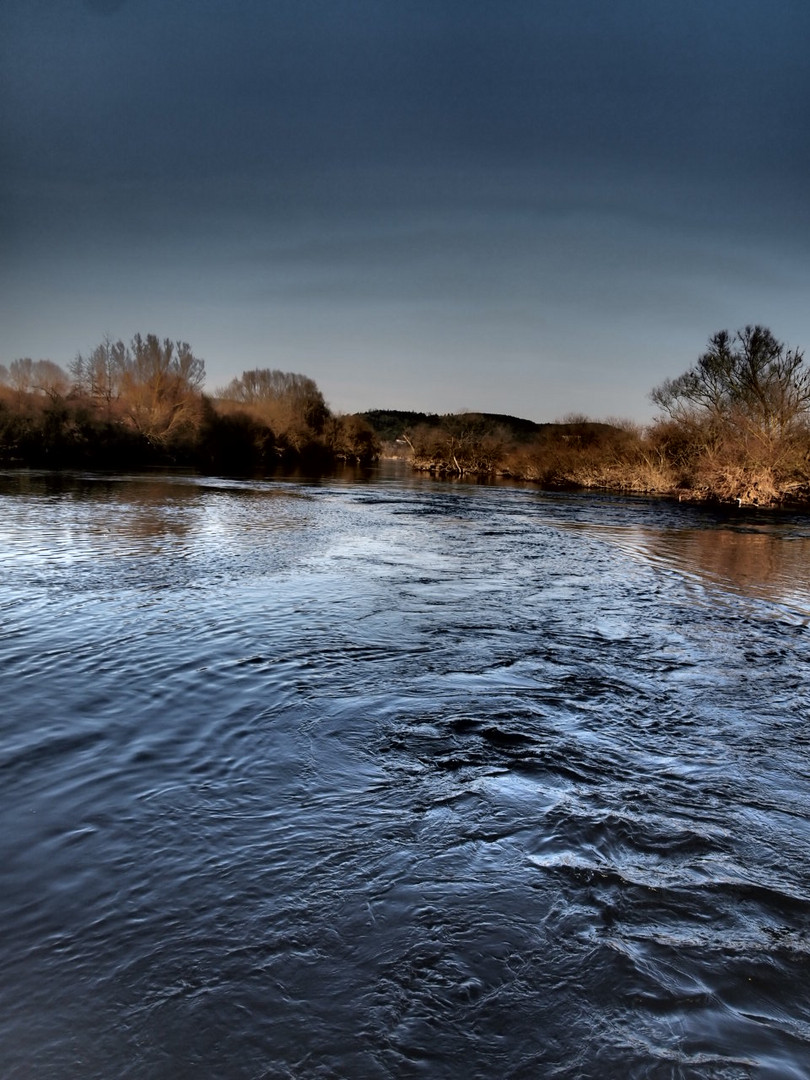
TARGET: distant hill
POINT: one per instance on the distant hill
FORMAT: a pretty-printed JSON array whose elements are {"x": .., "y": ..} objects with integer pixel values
[{"x": 389, "y": 424}]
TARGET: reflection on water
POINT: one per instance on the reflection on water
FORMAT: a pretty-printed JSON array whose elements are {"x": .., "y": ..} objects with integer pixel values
[
  {"x": 759, "y": 563},
  {"x": 770, "y": 563},
  {"x": 381, "y": 777}
]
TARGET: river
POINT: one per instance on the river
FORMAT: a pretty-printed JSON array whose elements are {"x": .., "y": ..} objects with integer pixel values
[{"x": 378, "y": 776}]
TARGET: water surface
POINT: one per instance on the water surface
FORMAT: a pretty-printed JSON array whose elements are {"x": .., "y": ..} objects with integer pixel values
[{"x": 384, "y": 777}]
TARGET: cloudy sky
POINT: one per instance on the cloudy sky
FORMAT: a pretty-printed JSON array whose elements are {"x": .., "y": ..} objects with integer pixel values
[{"x": 524, "y": 206}]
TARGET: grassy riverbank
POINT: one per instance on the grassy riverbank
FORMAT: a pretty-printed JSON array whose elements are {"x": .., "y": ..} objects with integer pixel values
[{"x": 691, "y": 464}]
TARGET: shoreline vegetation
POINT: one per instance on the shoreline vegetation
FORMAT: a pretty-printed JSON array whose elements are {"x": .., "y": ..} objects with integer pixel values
[
  {"x": 131, "y": 406},
  {"x": 734, "y": 428}
]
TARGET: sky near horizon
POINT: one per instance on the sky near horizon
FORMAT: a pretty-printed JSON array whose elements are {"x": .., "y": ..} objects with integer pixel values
[{"x": 523, "y": 206}]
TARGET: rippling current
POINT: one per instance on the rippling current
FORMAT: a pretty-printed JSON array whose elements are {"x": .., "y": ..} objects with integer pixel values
[{"x": 384, "y": 777}]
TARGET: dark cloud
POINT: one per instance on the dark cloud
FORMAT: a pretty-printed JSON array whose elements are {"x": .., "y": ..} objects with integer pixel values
[
  {"x": 104, "y": 7},
  {"x": 211, "y": 90}
]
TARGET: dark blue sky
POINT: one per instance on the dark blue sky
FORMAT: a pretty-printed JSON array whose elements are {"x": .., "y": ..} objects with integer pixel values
[{"x": 525, "y": 207}]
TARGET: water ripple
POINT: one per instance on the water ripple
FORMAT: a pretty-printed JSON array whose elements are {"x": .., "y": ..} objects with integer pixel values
[{"x": 399, "y": 779}]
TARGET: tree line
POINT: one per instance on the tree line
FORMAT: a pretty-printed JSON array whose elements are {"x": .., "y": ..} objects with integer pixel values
[
  {"x": 734, "y": 427},
  {"x": 142, "y": 403}
]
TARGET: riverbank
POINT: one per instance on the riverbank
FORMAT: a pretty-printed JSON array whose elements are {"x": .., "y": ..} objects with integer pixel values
[
  {"x": 695, "y": 462},
  {"x": 732, "y": 485}
]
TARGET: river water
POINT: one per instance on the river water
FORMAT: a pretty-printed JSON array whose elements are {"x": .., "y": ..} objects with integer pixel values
[{"x": 384, "y": 777}]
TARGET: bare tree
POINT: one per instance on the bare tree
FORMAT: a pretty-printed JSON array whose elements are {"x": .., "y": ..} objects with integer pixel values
[
  {"x": 21, "y": 375},
  {"x": 292, "y": 404},
  {"x": 738, "y": 419},
  {"x": 100, "y": 374},
  {"x": 749, "y": 381},
  {"x": 50, "y": 379},
  {"x": 28, "y": 376},
  {"x": 160, "y": 385}
]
